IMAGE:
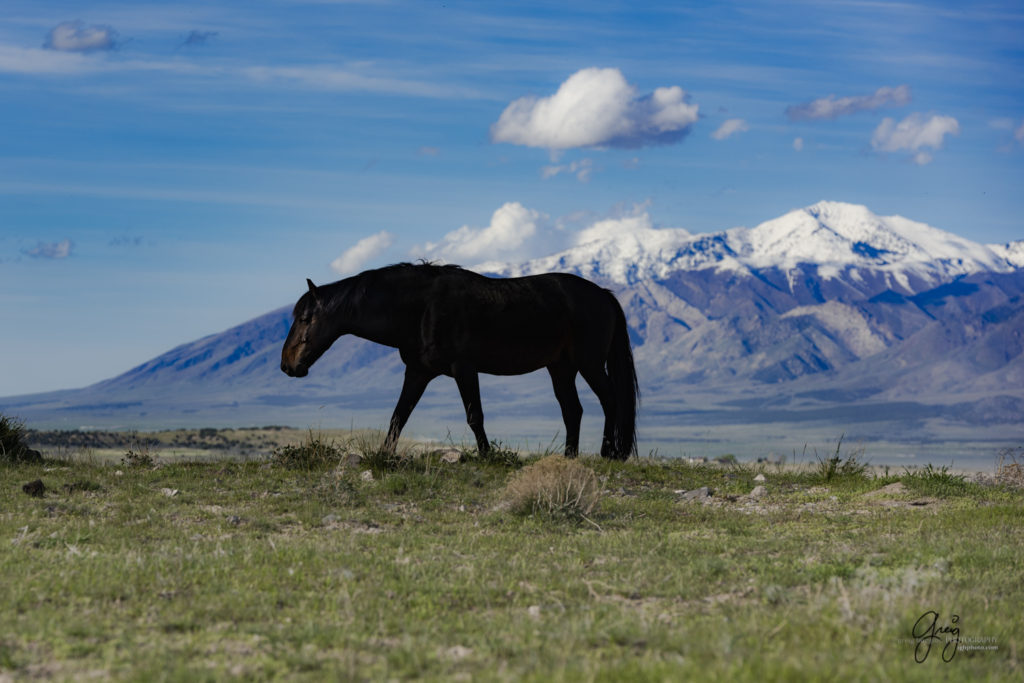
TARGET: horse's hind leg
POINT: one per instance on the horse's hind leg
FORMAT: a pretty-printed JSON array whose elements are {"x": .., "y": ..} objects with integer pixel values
[
  {"x": 563, "y": 379},
  {"x": 601, "y": 385},
  {"x": 469, "y": 388}
]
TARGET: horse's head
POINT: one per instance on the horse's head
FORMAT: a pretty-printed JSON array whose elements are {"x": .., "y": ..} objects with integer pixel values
[{"x": 309, "y": 336}]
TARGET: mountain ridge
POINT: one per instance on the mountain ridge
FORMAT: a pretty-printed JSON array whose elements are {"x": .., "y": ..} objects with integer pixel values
[
  {"x": 831, "y": 235},
  {"x": 727, "y": 327}
]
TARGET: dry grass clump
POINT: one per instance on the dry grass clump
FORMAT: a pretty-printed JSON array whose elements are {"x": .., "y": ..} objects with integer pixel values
[
  {"x": 555, "y": 486},
  {"x": 1012, "y": 472}
]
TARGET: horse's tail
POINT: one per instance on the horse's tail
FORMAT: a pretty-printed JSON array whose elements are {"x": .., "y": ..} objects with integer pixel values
[{"x": 625, "y": 388}]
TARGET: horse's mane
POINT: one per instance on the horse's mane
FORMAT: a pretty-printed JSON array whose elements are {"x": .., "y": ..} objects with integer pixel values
[
  {"x": 422, "y": 266},
  {"x": 345, "y": 296}
]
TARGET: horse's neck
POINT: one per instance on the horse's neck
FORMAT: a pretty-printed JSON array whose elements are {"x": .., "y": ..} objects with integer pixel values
[{"x": 381, "y": 317}]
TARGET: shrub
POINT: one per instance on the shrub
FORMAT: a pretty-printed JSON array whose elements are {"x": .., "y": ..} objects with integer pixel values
[
  {"x": 554, "y": 486},
  {"x": 313, "y": 453},
  {"x": 840, "y": 467},
  {"x": 937, "y": 481},
  {"x": 12, "y": 442},
  {"x": 1012, "y": 472},
  {"x": 497, "y": 454}
]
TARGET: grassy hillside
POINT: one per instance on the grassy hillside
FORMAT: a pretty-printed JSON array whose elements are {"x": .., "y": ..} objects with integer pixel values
[{"x": 316, "y": 564}]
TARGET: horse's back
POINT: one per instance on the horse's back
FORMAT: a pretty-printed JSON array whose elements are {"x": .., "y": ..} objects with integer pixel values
[{"x": 517, "y": 325}]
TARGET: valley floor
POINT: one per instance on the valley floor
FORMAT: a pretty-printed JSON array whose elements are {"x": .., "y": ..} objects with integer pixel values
[{"x": 369, "y": 568}]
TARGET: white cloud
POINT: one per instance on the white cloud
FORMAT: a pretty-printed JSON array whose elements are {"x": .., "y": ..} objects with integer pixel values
[
  {"x": 582, "y": 170},
  {"x": 831, "y": 107},
  {"x": 353, "y": 78},
  {"x": 729, "y": 128},
  {"x": 511, "y": 227},
  {"x": 352, "y": 259},
  {"x": 913, "y": 134},
  {"x": 596, "y": 108},
  {"x": 36, "y": 61},
  {"x": 798, "y": 144},
  {"x": 639, "y": 224},
  {"x": 51, "y": 250},
  {"x": 75, "y": 36}
]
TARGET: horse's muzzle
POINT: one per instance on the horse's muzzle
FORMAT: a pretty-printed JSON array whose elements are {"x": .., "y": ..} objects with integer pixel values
[{"x": 297, "y": 371}]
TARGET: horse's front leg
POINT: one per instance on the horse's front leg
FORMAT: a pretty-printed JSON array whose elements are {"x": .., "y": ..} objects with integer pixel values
[
  {"x": 413, "y": 386},
  {"x": 469, "y": 388}
]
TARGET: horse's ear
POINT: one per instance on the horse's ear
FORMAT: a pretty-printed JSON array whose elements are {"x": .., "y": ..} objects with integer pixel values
[{"x": 313, "y": 290}]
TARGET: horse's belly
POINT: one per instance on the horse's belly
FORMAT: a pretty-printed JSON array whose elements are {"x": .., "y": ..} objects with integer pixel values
[{"x": 499, "y": 360}]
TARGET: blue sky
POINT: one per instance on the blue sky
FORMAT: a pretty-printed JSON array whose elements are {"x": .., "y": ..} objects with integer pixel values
[{"x": 168, "y": 170}]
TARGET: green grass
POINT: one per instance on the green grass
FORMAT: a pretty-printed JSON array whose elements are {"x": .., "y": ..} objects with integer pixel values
[{"x": 263, "y": 569}]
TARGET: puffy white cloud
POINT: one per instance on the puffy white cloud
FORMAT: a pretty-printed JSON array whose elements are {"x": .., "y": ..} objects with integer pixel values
[
  {"x": 352, "y": 259},
  {"x": 639, "y": 223},
  {"x": 582, "y": 170},
  {"x": 729, "y": 128},
  {"x": 913, "y": 134},
  {"x": 511, "y": 227},
  {"x": 596, "y": 108},
  {"x": 832, "y": 107},
  {"x": 75, "y": 36},
  {"x": 51, "y": 250}
]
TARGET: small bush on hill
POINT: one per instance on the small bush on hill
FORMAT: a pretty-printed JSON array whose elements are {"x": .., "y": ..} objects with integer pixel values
[
  {"x": 12, "y": 442},
  {"x": 554, "y": 486},
  {"x": 497, "y": 454},
  {"x": 314, "y": 453},
  {"x": 938, "y": 481},
  {"x": 841, "y": 467}
]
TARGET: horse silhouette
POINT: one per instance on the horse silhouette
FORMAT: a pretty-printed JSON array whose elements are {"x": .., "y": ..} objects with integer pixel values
[{"x": 445, "y": 320}]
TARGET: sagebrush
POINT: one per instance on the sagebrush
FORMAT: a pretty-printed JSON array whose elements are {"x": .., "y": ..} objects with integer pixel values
[
  {"x": 554, "y": 485},
  {"x": 12, "y": 442}
]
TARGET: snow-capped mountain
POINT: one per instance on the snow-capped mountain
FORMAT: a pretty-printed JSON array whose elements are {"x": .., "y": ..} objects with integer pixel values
[
  {"x": 828, "y": 313},
  {"x": 834, "y": 237},
  {"x": 1012, "y": 252}
]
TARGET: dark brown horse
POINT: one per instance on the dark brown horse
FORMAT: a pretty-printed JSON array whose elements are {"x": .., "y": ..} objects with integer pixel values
[{"x": 448, "y": 321}]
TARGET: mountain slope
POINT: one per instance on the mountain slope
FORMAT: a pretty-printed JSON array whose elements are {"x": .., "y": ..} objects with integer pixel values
[{"x": 825, "y": 311}]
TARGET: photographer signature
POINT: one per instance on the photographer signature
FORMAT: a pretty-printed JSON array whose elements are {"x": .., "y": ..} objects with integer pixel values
[{"x": 926, "y": 631}]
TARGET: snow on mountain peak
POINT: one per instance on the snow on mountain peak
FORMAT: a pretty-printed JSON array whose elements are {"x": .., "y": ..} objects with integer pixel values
[
  {"x": 837, "y": 234},
  {"x": 833, "y": 236},
  {"x": 1013, "y": 252},
  {"x": 620, "y": 249}
]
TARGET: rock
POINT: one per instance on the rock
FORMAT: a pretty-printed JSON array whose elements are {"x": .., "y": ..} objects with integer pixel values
[
  {"x": 760, "y": 477},
  {"x": 170, "y": 493},
  {"x": 450, "y": 455},
  {"x": 366, "y": 475},
  {"x": 759, "y": 492},
  {"x": 696, "y": 494},
  {"x": 533, "y": 611},
  {"x": 36, "y": 488},
  {"x": 330, "y": 519}
]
